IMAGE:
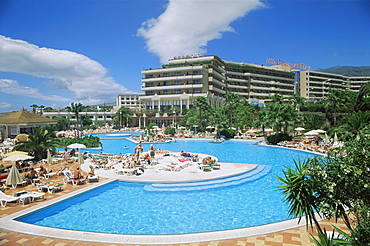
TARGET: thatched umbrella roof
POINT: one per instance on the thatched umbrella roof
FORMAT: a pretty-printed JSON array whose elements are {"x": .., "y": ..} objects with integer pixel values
[{"x": 25, "y": 117}]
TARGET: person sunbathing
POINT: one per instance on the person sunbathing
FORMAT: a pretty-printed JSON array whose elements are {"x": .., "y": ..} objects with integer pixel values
[
  {"x": 32, "y": 174},
  {"x": 92, "y": 172},
  {"x": 42, "y": 171},
  {"x": 61, "y": 169},
  {"x": 77, "y": 174}
]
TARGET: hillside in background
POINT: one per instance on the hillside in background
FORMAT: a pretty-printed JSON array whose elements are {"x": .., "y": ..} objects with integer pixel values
[{"x": 350, "y": 71}]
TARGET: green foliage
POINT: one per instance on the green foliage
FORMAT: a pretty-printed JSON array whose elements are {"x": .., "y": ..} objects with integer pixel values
[
  {"x": 298, "y": 191},
  {"x": 333, "y": 185},
  {"x": 228, "y": 133},
  {"x": 170, "y": 131},
  {"x": 314, "y": 121},
  {"x": 311, "y": 107},
  {"x": 63, "y": 123},
  {"x": 274, "y": 139},
  {"x": 85, "y": 120},
  {"x": 38, "y": 143},
  {"x": 88, "y": 141}
]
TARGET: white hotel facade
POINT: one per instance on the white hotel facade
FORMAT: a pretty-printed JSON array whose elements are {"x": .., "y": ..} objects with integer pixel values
[{"x": 178, "y": 83}]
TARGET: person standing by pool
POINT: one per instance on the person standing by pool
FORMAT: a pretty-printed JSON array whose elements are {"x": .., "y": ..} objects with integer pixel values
[
  {"x": 152, "y": 151},
  {"x": 65, "y": 154}
]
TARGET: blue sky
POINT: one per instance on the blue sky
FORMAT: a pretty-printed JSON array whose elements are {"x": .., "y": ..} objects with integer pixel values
[{"x": 54, "y": 52}]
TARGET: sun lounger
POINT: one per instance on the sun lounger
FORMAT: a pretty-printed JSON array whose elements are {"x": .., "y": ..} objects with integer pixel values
[
  {"x": 69, "y": 178},
  {"x": 94, "y": 178},
  {"x": 4, "y": 199}
]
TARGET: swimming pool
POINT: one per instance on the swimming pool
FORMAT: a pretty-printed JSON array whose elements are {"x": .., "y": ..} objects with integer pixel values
[{"x": 143, "y": 212}]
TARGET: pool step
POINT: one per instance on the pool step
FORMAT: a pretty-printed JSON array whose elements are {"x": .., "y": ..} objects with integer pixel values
[{"x": 259, "y": 171}]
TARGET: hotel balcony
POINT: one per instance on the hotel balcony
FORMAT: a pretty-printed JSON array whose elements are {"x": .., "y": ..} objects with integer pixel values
[
  {"x": 171, "y": 78},
  {"x": 237, "y": 86},
  {"x": 171, "y": 87},
  {"x": 216, "y": 81},
  {"x": 174, "y": 69},
  {"x": 244, "y": 94},
  {"x": 215, "y": 89},
  {"x": 237, "y": 80},
  {"x": 216, "y": 74}
]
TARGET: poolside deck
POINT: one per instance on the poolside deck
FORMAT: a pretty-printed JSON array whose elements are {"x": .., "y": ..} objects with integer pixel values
[{"x": 296, "y": 236}]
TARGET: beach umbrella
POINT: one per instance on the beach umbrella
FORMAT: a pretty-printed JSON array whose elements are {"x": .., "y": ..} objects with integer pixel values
[
  {"x": 15, "y": 152},
  {"x": 310, "y": 133},
  {"x": 210, "y": 127},
  {"x": 269, "y": 130},
  {"x": 18, "y": 157},
  {"x": 76, "y": 146},
  {"x": 327, "y": 140},
  {"x": 80, "y": 158},
  {"x": 299, "y": 129},
  {"x": 48, "y": 158},
  {"x": 14, "y": 177},
  {"x": 181, "y": 127},
  {"x": 320, "y": 131},
  {"x": 251, "y": 130},
  {"x": 22, "y": 137},
  {"x": 61, "y": 133},
  {"x": 335, "y": 137}
]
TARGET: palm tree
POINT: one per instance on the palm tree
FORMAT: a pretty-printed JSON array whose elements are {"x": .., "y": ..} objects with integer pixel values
[
  {"x": 34, "y": 107},
  {"x": 76, "y": 108},
  {"x": 41, "y": 107},
  {"x": 38, "y": 143},
  {"x": 232, "y": 101},
  {"x": 363, "y": 98},
  {"x": 297, "y": 101},
  {"x": 122, "y": 116},
  {"x": 335, "y": 100},
  {"x": 202, "y": 105},
  {"x": 298, "y": 192}
]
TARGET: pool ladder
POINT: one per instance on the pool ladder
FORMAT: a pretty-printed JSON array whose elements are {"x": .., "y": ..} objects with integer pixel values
[{"x": 258, "y": 172}]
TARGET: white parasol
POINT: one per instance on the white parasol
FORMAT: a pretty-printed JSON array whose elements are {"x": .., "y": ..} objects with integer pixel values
[
  {"x": 76, "y": 146},
  {"x": 48, "y": 158},
  {"x": 320, "y": 131},
  {"x": 14, "y": 177},
  {"x": 299, "y": 129},
  {"x": 18, "y": 157}
]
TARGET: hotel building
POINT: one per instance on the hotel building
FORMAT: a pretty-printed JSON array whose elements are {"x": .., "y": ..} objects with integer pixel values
[
  {"x": 315, "y": 85},
  {"x": 179, "y": 82}
]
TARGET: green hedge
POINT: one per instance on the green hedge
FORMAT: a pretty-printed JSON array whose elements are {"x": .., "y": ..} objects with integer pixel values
[
  {"x": 274, "y": 139},
  {"x": 88, "y": 141}
]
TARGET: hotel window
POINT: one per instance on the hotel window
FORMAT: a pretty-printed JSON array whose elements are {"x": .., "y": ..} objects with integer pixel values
[
  {"x": 149, "y": 76},
  {"x": 196, "y": 81},
  {"x": 196, "y": 90},
  {"x": 176, "y": 103},
  {"x": 177, "y": 82},
  {"x": 166, "y": 92},
  {"x": 150, "y": 84},
  {"x": 177, "y": 91},
  {"x": 166, "y": 83},
  {"x": 150, "y": 93},
  {"x": 177, "y": 73},
  {"x": 166, "y": 74},
  {"x": 196, "y": 73}
]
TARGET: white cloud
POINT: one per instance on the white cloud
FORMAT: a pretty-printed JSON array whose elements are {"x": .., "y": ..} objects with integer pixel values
[
  {"x": 187, "y": 25},
  {"x": 86, "y": 78},
  {"x": 12, "y": 87},
  {"x": 4, "y": 105}
]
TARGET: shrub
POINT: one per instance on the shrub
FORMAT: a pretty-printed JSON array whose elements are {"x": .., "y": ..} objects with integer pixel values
[
  {"x": 228, "y": 133},
  {"x": 274, "y": 139}
]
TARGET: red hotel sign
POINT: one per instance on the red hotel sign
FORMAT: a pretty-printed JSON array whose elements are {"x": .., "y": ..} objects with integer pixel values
[{"x": 291, "y": 65}]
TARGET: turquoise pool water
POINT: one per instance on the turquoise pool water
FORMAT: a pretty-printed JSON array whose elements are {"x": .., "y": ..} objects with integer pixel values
[{"x": 127, "y": 208}]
